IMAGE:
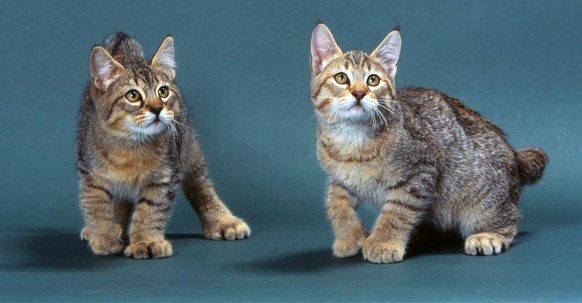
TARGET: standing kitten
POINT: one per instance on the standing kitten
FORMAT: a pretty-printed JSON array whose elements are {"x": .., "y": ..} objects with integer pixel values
[
  {"x": 135, "y": 146},
  {"x": 422, "y": 156}
]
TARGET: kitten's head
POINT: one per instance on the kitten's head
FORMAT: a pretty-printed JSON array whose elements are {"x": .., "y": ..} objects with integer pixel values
[
  {"x": 353, "y": 87},
  {"x": 135, "y": 99}
]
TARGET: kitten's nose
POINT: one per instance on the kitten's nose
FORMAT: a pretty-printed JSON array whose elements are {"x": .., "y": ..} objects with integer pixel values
[
  {"x": 359, "y": 94},
  {"x": 156, "y": 110}
]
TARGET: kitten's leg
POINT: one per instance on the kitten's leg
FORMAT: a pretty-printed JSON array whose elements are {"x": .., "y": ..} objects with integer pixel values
[
  {"x": 349, "y": 231},
  {"x": 149, "y": 219},
  {"x": 122, "y": 213},
  {"x": 217, "y": 221},
  {"x": 102, "y": 231},
  {"x": 393, "y": 228},
  {"x": 490, "y": 230}
]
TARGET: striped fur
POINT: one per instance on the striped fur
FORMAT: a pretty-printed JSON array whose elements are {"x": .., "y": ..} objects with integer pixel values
[
  {"x": 419, "y": 155},
  {"x": 132, "y": 156}
]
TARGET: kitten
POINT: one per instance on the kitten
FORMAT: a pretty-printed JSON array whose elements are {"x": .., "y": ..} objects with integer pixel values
[
  {"x": 422, "y": 156},
  {"x": 135, "y": 146}
]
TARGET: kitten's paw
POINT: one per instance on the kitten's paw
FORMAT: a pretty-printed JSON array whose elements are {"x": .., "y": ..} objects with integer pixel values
[
  {"x": 485, "y": 244},
  {"x": 103, "y": 244},
  {"x": 377, "y": 251},
  {"x": 226, "y": 228},
  {"x": 348, "y": 247},
  {"x": 146, "y": 250}
]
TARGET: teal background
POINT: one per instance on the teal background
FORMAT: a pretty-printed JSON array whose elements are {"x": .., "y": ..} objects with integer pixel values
[{"x": 243, "y": 67}]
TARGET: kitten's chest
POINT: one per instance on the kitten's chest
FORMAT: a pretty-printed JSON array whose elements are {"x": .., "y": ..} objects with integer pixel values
[
  {"x": 366, "y": 178},
  {"x": 369, "y": 183},
  {"x": 355, "y": 174},
  {"x": 129, "y": 171}
]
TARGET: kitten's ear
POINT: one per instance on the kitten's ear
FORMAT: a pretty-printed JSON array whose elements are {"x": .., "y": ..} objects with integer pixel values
[
  {"x": 164, "y": 58},
  {"x": 388, "y": 52},
  {"x": 323, "y": 48},
  {"x": 104, "y": 69}
]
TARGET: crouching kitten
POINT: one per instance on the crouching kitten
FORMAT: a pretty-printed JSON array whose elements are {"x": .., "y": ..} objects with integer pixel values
[
  {"x": 419, "y": 155},
  {"x": 135, "y": 146}
]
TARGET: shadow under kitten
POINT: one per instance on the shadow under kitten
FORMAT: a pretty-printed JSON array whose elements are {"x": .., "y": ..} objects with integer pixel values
[{"x": 50, "y": 249}]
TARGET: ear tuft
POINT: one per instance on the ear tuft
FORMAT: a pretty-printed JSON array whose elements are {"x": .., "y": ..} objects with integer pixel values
[
  {"x": 104, "y": 69},
  {"x": 323, "y": 48},
  {"x": 164, "y": 58},
  {"x": 388, "y": 52}
]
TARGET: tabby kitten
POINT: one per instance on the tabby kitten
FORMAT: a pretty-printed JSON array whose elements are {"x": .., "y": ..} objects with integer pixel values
[
  {"x": 422, "y": 156},
  {"x": 135, "y": 146}
]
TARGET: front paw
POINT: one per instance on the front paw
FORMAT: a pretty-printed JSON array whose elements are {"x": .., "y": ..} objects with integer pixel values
[
  {"x": 380, "y": 251},
  {"x": 226, "y": 228},
  {"x": 350, "y": 246},
  {"x": 104, "y": 245},
  {"x": 145, "y": 250}
]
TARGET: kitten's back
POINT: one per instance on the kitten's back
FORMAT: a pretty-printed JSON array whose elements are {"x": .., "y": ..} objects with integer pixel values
[{"x": 451, "y": 119}]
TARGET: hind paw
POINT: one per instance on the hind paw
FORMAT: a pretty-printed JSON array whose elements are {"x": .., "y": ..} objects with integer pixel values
[{"x": 485, "y": 244}]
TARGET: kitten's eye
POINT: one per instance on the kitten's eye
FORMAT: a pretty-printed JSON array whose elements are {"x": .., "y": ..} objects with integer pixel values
[
  {"x": 133, "y": 96},
  {"x": 163, "y": 92},
  {"x": 341, "y": 78},
  {"x": 373, "y": 80}
]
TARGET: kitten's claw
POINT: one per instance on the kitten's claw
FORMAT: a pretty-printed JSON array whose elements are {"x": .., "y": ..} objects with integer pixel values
[
  {"x": 227, "y": 228},
  {"x": 85, "y": 234},
  {"x": 484, "y": 244},
  {"x": 145, "y": 250},
  {"x": 382, "y": 251}
]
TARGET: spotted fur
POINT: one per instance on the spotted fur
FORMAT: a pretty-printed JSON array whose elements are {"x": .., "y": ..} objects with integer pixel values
[
  {"x": 132, "y": 156},
  {"x": 422, "y": 157}
]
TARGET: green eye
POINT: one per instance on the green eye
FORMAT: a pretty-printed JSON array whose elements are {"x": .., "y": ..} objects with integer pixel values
[
  {"x": 341, "y": 78},
  {"x": 133, "y": 96},
  {"x": 163, "y": 92},
  {"x": 373, "y": 80}
]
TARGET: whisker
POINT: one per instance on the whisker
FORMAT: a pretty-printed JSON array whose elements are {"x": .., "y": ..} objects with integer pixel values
[
  {"x": 381, "y": 116},
  {"x": 389, "y": 110},
  {"x": 179, "y": 123},
  {"x": 173, "y": 130}
]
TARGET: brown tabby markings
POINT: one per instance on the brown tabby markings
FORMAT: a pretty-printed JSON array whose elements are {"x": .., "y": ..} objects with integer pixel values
[
  {"x": 133, "y": 155},
  {"x": 421, "y": 156}
]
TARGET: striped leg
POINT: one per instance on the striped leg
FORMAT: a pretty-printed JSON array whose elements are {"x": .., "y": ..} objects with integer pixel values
[
  {"x": 122, "y": 213},
  {"x": 148, "y": 222},
  {"x": 103, "y": 232},
  {"x": 349, "y": 231},
  {"x": 218, "y": 223},
  {"x": 394, "y": 226}
]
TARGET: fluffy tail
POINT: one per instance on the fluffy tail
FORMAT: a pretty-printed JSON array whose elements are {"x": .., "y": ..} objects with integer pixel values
[
  {"x": 532, "y": 162},
  {"x": 122, "y": 43}
]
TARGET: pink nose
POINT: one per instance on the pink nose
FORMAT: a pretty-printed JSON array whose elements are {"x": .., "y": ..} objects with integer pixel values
[{"x": 359, "y": 94}]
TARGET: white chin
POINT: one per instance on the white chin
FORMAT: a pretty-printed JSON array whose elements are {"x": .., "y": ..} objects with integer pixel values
[
  {"x": 150, "y": 130},
  {"x": 355, "y": 113},
  {"x": 155, "y": 128}
]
